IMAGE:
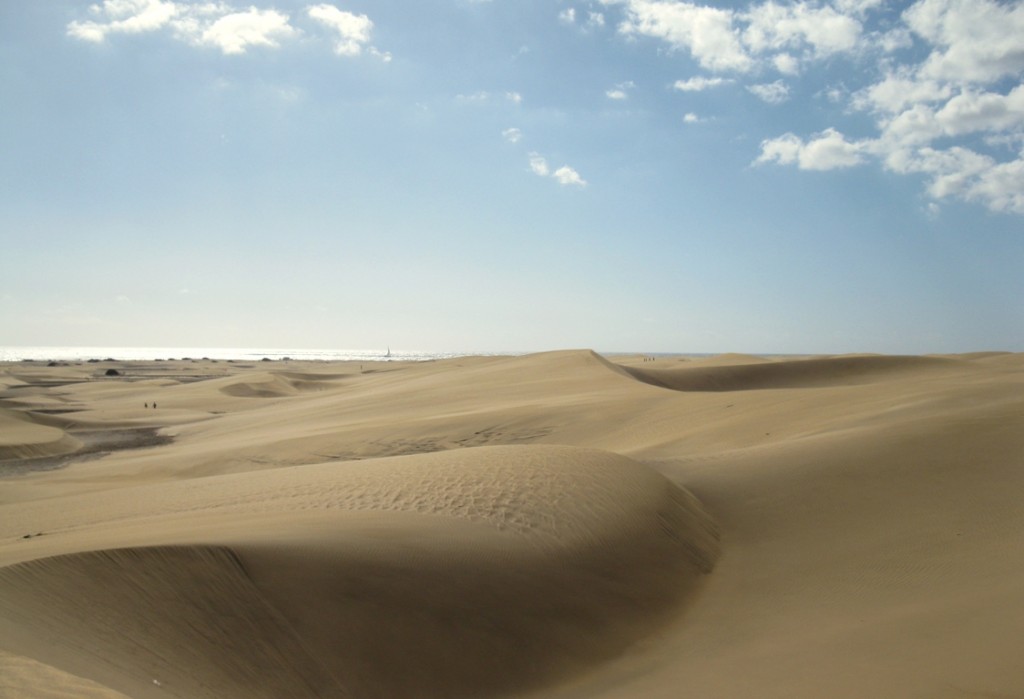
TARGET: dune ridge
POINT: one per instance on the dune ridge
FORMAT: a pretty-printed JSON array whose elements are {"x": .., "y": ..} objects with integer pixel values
[
  {"x": 23, "y": 436},
  {"x": 802, "y": 373},
  {"x": 571, "y": 555}
]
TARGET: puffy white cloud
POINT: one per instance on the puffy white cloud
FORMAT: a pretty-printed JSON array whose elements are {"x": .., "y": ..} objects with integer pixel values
[
  {"x": 774, "y": 26},
  {"x": 218, "y": 24},
  {"x": 595, "y": 20},
  {"x": 966, "y": 113},
  {"x": 235, "y": 32},
  {"x": 786, "y": 64},
  {"x": 965, "y": 85},
  {"x": 197, "y": 23},
  {"x": 898, "y": 91},
  {"x": 699, "y": 83},
  {"x": 948, "y": 75},
  {"x": 564, "y": 175},
  {"x": 539, "y": 165},
  {"x": 973, "y": 40},
  {"x": 892, "y": 40},
  {"x": 706, "y": 32},
  {"x": 620, "y": 91},
  {"x": 962, "y": 173},
  {"x": 691, "y": 118},
  {"x": 856, "y": 7},
  {"x": 784, "y": 149},
  {"x": 567, "y": 176},
  {"x": 971, "y": 112},
  {"x": 828, "y": 150},
  {"x": 965, "y": 174},
  {"x": 772, "y": 93},
  {"x": 1001, "y": 187},
  {"x": 353, "y": 30},
  {"x": 512, "y": 135},
  {"x": 124, "y": 17},
  {"x": 767, "y": 33}
]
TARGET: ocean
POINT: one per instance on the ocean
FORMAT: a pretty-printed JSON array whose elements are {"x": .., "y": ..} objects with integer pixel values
[{"x": 80, "y": 354}]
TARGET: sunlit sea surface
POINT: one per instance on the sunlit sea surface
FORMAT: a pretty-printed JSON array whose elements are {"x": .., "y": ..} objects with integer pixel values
[{"x": 72, "y": 354}]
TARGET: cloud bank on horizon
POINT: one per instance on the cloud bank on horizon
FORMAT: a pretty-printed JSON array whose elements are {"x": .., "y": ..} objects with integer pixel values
[{"x": 939, "y": 93}]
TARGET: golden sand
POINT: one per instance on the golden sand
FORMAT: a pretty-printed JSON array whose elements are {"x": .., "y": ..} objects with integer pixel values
[{"x": 553, "y": 526}]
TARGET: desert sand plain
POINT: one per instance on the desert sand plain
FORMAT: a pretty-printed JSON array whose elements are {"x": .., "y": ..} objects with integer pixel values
[{"x": 560, "y": 525}]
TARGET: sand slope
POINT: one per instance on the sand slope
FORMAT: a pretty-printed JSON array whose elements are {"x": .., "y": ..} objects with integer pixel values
[{"x": 555, "y": 525}]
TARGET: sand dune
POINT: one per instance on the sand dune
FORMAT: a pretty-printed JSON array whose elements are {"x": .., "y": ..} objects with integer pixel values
[
  {"x": 24, "y": 436},
  {"x": 827, "y": 371},
  {"x": 555, "y": 525},
  {"x": 495, "y": 568}
]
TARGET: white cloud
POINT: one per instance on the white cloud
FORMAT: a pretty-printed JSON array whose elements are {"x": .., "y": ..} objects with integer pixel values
[
  {"x": 691, "y": 118},
  {"x": 475, "y": 97},
  {"x": 483, "y": 96},
  {"x": 828, "y": 150},
  {"x": 786, "y": 64},
  {"x": 857, "y": 7},
  {"x": 967, "y": 113},
  {"x": 899, "y": 90},
  {"x": 567, "y": 176},
  {"x": 564, "y": 175},
  {"x": 620, "y": 91},
  {"x": 219, "y": 25},
  {"x": 353, "y": 30},
  {"x": 767, "y": 33},
  {"x": 512, "y": 135},
  {"x": 539, "y": 165},
  {"x": 892, "y": 40},
  {"x": 698, "y": 83},
  {"x": 973, "y": 40},
  {"x": 773, "y": 26},
  {"x": 706, "y": 32},
  {"x": 124, "y": 17},
  {"x": 971, "y": 112},
  {"x": 595, "y": 20},
  {"x": 946, "y": 75},
  {"x": 964, "y": 174},
  {"x": 1001, "y": 188},
  {"x": 772, "y": 93},
  {"x": 235, "y": 32}
]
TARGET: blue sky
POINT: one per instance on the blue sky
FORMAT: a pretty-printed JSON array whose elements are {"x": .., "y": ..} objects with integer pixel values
[{"x": 626, "y": 175}]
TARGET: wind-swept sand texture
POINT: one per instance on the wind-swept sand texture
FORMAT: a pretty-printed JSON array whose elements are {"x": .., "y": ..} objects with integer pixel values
[{"x": 558, "y": 525}]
